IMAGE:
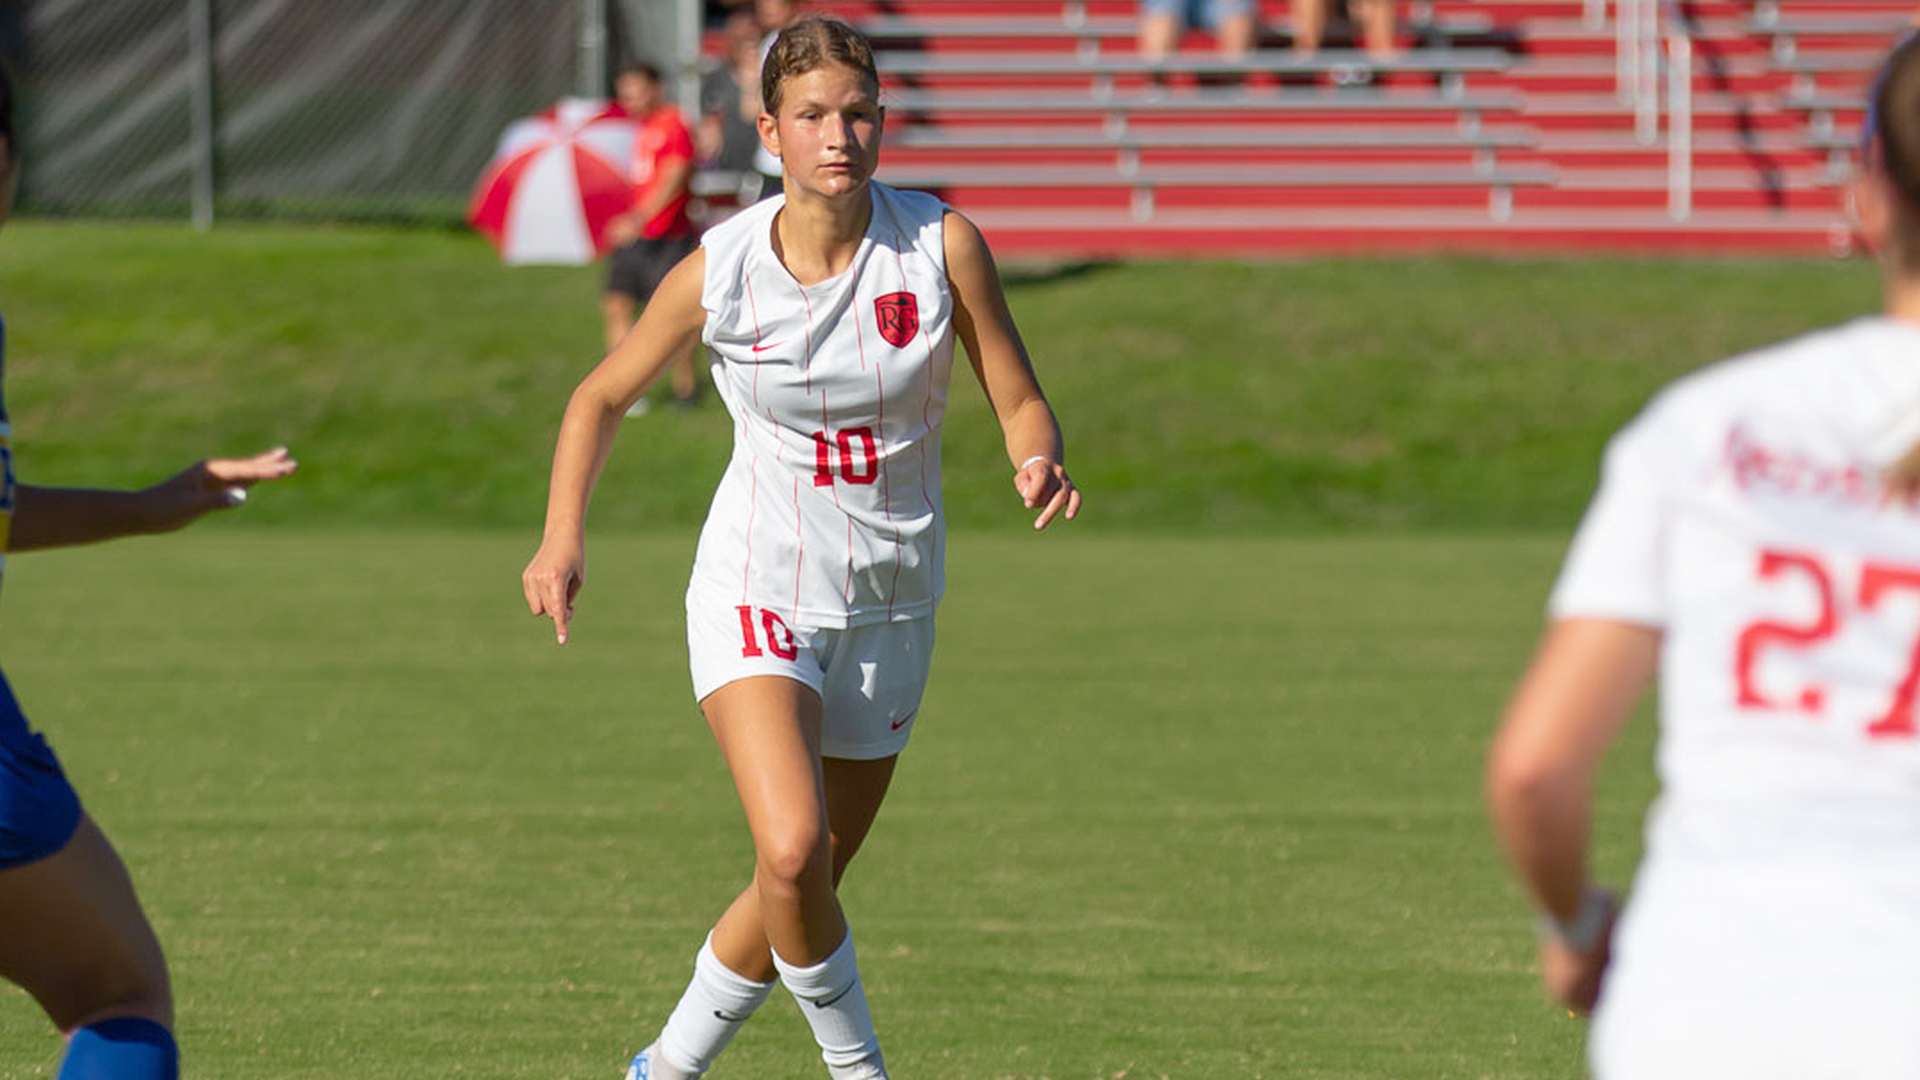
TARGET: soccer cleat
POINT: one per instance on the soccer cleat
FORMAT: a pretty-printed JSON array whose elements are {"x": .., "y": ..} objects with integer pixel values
[
  {"x": 641, "y": 1068},
  {"x": 649, "y": 1065}
]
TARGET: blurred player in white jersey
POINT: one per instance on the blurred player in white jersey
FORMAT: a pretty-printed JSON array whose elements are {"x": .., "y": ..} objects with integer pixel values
[
  {"x": 831, "y": 313},
  {"x": 1755, "y": 539},
  {"x": 72, "y": 932}
]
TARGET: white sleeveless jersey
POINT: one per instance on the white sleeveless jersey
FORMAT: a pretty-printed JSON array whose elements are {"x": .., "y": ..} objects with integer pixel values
[
  {"x": 1744, "y": 513},
  {"x": 829, "y": 514}
]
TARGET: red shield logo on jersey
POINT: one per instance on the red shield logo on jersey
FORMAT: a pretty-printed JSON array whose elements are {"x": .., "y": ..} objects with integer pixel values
[{"x": 899, "y": 318}]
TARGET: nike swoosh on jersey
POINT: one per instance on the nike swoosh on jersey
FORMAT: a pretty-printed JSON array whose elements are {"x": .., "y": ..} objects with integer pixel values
[{"x": 759, "y": 348}]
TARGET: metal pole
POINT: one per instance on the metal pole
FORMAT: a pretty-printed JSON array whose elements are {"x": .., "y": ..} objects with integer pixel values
[
  {"x": 200, "y": 98},
  {"x": 1679, "y": 123},
  {"x": 1646, "y": 96},
  {"x": 1626, "y": 53},
  {"x": 591, "y": 80},
  {"x": 688, "y": 54}
]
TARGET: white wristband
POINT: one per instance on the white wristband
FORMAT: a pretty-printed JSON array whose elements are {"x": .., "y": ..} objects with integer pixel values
[
  {"x": 1582, "y": 932},
  {"x": 1031, "y": 460}
]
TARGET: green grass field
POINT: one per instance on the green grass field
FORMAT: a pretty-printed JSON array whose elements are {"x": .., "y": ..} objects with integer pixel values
[
  {"x": 422, "y": 382},
  {"x": 1196, "y": 793},
  {"x": 1181, "y": 808}
]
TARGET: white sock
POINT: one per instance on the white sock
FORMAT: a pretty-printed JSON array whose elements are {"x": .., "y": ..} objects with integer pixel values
[
  {"x": 835, "y": 1005},
  {"x": 717, "y": 1003}
]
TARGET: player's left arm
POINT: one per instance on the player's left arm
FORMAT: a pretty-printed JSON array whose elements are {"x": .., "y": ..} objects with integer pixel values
[
  {"x": 1569, "y": 708},
  {"x": 48, "y": 517},
  {"x": 985, "y": 326}
]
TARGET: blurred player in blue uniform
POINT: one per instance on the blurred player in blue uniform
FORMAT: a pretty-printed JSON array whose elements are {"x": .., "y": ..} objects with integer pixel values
[{"x": 71, "y": 930}]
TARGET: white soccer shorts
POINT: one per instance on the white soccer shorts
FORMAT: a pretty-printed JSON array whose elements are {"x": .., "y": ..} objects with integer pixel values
[{"x": 870, "y": 678}]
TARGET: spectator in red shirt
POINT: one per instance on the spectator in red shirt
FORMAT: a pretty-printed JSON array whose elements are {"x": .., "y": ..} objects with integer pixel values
[{"x": 653, "y": 236}]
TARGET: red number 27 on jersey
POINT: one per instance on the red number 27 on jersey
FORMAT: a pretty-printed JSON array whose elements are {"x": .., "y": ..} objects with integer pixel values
[{"x": 1876, "y": 581}]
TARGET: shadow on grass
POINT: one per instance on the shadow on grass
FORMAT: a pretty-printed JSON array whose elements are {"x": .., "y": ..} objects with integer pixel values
[{"x": 1046, "y": 273}]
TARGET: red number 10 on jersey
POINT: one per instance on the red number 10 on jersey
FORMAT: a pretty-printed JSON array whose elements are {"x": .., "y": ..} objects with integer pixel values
[
  {"x": 1877, "y": 581},
  {"x": 857, "y": 466}
]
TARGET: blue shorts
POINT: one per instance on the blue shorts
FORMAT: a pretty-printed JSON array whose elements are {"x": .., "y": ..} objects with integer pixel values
[
  {"x": 1206, "y": 14},
  {"x": 39, "y": 810}
]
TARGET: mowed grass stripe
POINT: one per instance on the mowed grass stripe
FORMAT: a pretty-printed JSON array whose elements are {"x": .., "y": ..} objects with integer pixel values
[{"x": 1183, "y": 808}]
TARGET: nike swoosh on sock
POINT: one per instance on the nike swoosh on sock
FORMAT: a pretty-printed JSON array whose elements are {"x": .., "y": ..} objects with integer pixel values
[{"x": 824, "y": 1003}]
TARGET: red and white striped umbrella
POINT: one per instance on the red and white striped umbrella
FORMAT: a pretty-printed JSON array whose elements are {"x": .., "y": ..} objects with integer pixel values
[{"x": 555, "y": 182}]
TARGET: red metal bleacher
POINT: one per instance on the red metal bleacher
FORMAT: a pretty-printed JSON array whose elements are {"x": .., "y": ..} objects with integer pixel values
[{"x": 1538, "y": 152}]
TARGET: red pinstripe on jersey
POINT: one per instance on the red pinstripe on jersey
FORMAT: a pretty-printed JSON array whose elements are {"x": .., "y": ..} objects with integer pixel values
[
  {"x": 759, "y": 338},
  {"x": 826, "y": 430},
  {"x": 799, "y": 548},
  {"x": 860, "y": 342},
  {"x": 846, "y": 587},
  {"x": 753, "y": 507},
  {"x": 806, "y": 363},
  {"x": 880, "y": 424},
  {"x": 926, "y": 410}
]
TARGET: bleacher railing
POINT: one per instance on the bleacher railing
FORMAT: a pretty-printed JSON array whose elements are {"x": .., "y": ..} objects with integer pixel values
[
  {"x": 1679, "y": 116},
  {"x": 1641, "y": 27}
]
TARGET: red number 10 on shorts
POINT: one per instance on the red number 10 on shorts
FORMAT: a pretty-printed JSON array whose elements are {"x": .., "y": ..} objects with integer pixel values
[{"x": 776, "y": 630}]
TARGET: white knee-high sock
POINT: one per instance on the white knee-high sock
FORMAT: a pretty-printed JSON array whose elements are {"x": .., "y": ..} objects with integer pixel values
[
  {"x": 835, "y": 1005},
  {"x": 717, "y": 1003}
]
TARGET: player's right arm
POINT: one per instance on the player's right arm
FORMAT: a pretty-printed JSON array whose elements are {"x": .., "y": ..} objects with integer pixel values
[
  {"x": 669, "y": 327},
  {"x": 1569, "y": 708},
  {"x": 1595, "y": 661}
]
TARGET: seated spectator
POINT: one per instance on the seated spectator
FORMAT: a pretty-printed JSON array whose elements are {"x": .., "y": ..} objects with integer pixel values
[
  {"x": 1232, "y": 23},
  {"x": 1376, "y": 19},
  {"x": 725, "y": 137},
  {"x": 717, "y": 12}
]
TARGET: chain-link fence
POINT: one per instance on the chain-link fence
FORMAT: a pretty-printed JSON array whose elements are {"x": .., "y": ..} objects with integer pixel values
[{"x": 339, "y": 109}]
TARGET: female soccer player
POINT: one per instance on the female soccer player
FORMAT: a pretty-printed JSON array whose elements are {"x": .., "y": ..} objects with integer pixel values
[
  {"x": 71, "y": 930},
  {"x": 831, "y": 314},
  {"x": 1756, "y": 538}
]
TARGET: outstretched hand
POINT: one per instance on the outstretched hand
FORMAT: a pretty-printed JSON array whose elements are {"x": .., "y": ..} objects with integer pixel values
[
  {"x": 551, "y": 582},
  {"x": 214, "y": 484},
  {"x": 1044, "y": 483}
]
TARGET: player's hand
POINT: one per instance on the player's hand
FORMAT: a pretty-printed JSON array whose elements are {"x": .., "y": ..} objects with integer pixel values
[
  {"x": 1573, "y": 978},
  {"x": 551, "y": 582},
  {"x": 1044, "y": 483},
  {"x": 214, "y": 484}
]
